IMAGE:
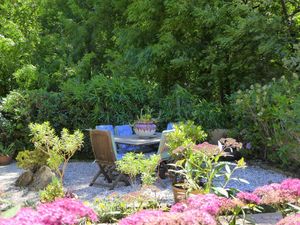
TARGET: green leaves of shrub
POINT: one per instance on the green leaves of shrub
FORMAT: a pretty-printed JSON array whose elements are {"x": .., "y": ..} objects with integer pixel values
[
  {"x": 53, "y": 190},
  {"x": 184, "y": 134},
  {"x": 49, "y": 149},
  {"x": 134, "y": 164}
]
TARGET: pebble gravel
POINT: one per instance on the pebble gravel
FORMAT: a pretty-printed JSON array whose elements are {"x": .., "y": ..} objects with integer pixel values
[{"x": 79, "y": 174}]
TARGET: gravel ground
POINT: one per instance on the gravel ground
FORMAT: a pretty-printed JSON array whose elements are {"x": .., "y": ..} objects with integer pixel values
[{"x": 79, "y": 174}]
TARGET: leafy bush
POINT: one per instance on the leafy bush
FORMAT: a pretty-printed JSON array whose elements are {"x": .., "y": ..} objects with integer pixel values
[
  {"x": 53, "y": 191},
  {"x": 184, "y": 134},
  {"x": 49, "y": 149},
  {"x": 102, "y": 100},
  {"x": 115, "y": 207},
  {"x": 134, "y": 164},
  {"x": 268, "y": 116}
]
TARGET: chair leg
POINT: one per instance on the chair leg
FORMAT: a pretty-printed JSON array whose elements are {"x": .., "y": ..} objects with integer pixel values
[
  {"x": 95, "y": 177},
  {"x": 102, "y": 168},
  {"x": 120, "y": 177},
  {"x": 115, "y": 182}
]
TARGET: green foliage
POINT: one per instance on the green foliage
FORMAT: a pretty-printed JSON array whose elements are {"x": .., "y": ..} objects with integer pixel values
[
  {"x": 26, "y": 77},
  {"x": 134, "y": 164},
  {"x": 78, "y": 64},
  {"x": 184, "y": 134},
  {"x": 199, "y": 168},
  {"x": 268, "y": 117},
  {"x": 115, "y": 207},
  {"x": 53, "y": 190},
  {"x": 50, "y": 149},
  {"x": 7, "y": 150}
]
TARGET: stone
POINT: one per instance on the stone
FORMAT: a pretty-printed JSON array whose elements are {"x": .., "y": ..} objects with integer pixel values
[
  {"x": 216, "y": 134},
  {"x": 24, "y": 179},
  {"x": 42, "y": 177}
]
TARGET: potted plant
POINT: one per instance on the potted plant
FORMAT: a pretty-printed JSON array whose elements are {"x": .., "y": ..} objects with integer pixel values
[
  {"x": 193, "y": 171},
  {"x": 198, "y": 167},
  {"x": 6, "y": 153},
  {"x": 145, "y": 126}
]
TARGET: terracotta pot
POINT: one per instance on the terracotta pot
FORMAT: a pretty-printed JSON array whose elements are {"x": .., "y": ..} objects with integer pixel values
[
  {"x": 181, "y": 194},
  {"x": 5, "y": 160}
]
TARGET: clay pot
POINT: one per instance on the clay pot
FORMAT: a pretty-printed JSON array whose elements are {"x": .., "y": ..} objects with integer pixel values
[
  {"x": 181, "y": 194},
  {"x": 5, "y": 160}
]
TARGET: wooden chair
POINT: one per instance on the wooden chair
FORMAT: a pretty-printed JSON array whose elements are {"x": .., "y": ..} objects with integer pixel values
[
  {"x": 163, "y": 151},
  {"x": 105, "y": 153}
]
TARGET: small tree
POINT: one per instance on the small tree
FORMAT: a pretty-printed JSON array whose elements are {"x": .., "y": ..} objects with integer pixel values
[{"x": 49, "y": 149}]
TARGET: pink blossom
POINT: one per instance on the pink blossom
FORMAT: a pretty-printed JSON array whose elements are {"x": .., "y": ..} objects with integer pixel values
[
  {"x": 159, "y": 218},
  {"x": 142, "y": 217},
  {"x": 210, "y": 203},
  {"x": 290, "y": 220},
  {"x": 274, "y": 194},
  {"x": 248, "y": 197},
  {"x": 61, "y": 211},
  {"x": 293, "y": 185}
]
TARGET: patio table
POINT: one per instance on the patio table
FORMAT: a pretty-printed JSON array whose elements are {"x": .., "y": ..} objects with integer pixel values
[{"x": 137, "y": 140}]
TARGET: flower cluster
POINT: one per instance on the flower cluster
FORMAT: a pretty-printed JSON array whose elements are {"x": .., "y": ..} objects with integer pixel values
[
  {"x": 62, "y": 211},
  {"x": 207, "y": 148},
  {"x": 210, "y": 203},
  {"x": 290, "y": 220},
  {"x": 159, "y": 217},
  {"x": 247, "y": 197},
  {"x": 286, "y": 192},
  {"x": 198, "y": 209}
]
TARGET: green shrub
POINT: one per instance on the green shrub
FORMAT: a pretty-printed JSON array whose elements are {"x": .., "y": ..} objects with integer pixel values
[
  {"x": 49, "y": 149},
  {"x": 134, "y": 164},
  {"x": 115, "y": 207},
  {"x": 53, "y": 190},
  {"x": 101, "y": 100},
  {"x": 268, "y": 117},
  {"x": 184, "y": 134}
]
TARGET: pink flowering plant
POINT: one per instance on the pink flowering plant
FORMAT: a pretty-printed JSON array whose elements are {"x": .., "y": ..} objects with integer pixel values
[
  {"x": 63, "y": 211},
  {"x": 281, "y": 196}
]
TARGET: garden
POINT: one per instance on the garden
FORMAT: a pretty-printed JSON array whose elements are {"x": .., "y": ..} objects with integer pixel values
[{"x": 149, "y": 112}]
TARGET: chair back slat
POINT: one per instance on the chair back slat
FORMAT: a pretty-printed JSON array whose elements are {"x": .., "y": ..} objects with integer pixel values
[
  {"x": 103, "y": 146},
  {"x": 106, "y": 127},
  {"x": 123, "y": 130},
  {"x": 163, "y": 148},
  {"x": 170, "y": 126}
]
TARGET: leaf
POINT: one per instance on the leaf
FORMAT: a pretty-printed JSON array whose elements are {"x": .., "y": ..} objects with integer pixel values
[
  {"x": 227, "y": 168},
  {"x": 11, "y": 212},
  {"x": 243, "y": 180},
  {"x": 221, "y": 191}
]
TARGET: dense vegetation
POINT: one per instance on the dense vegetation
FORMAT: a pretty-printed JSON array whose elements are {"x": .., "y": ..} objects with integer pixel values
[{"x": 81, "y": 63}]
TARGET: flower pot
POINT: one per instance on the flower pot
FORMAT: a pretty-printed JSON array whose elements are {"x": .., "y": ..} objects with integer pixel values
[
  {"x": 181, "y": 194},
  {"x": 5, "y": 160},
  {"x": 144, "y": 129}
]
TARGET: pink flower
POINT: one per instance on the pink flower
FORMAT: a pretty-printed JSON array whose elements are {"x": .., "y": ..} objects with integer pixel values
[
  {"x": 142, "y": 217},
  {"x": 62, "y": 211},
  {"x": 248, "y": 197},
  {"x": 286, "y": 192},
  {"x": 292, "y": 184},
  {"x": 290, "y": 220},
  {"x": 210, "y": 203},
  {"x": 163, "y": 218}
]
